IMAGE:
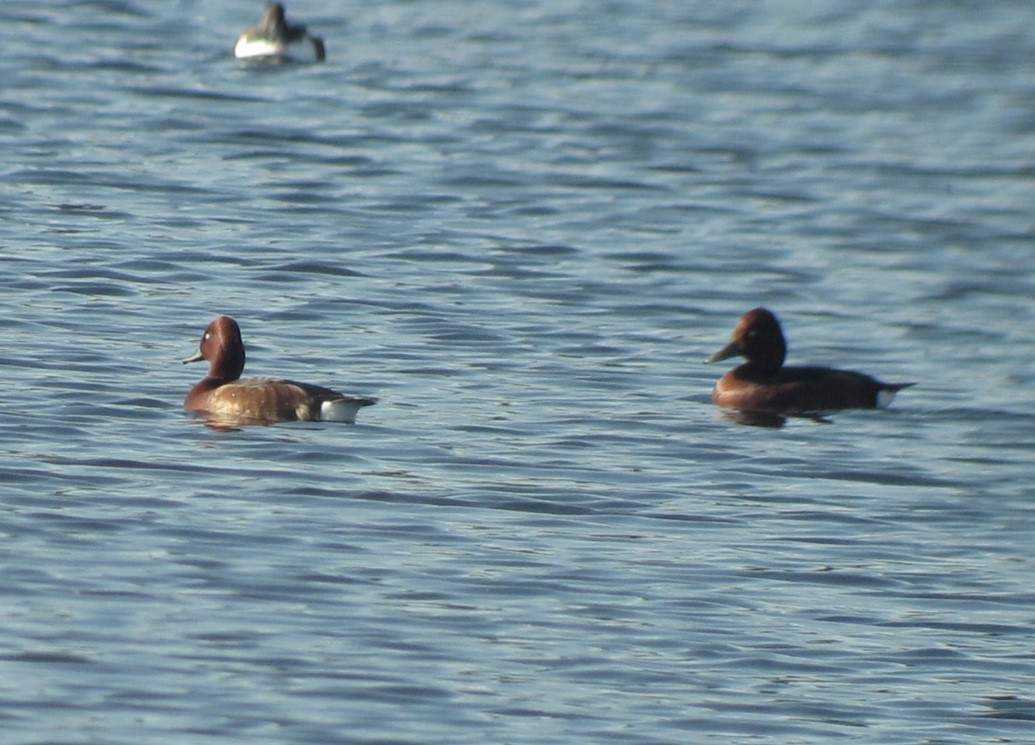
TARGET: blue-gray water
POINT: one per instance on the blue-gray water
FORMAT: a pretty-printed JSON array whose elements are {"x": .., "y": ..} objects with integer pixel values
[{"x": 523, "y": 226}]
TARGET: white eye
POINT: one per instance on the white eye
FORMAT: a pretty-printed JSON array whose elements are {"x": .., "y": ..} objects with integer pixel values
[{"x": 208, "y": 335}]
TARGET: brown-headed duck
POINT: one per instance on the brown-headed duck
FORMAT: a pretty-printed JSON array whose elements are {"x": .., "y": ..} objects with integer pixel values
[
  {"x": 223, "y": 396},
  {"x": 764, "y": 384},
  {"x": 269, "y": 39}
]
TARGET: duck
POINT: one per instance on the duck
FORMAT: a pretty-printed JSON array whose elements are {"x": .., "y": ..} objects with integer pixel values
[
  {"x": 224, "y": 396},
  {"x": 269, "y": 39},
  {"x": 764, "y": 384}
]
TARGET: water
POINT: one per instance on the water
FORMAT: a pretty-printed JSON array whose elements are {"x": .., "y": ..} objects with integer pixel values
[{"x": 523, "y": 226}]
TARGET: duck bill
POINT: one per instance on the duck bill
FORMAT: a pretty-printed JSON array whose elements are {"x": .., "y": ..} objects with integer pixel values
[
  {"x": 196, "y": 357},
  {"x": 730, "y": 350}
]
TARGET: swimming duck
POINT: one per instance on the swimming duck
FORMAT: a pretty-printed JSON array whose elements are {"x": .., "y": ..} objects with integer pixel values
[
  {"x": 764, "y": 384},
  {"x": 223, "y": 395},
  {"x": 270, "y": 37}
]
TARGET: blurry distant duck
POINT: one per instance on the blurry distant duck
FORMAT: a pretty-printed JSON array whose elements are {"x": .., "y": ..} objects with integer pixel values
[{"x": 269, "y": 38}]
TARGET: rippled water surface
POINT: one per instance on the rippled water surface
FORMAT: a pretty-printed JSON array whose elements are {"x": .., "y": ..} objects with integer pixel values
[{"x": 522, "y": 226}]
